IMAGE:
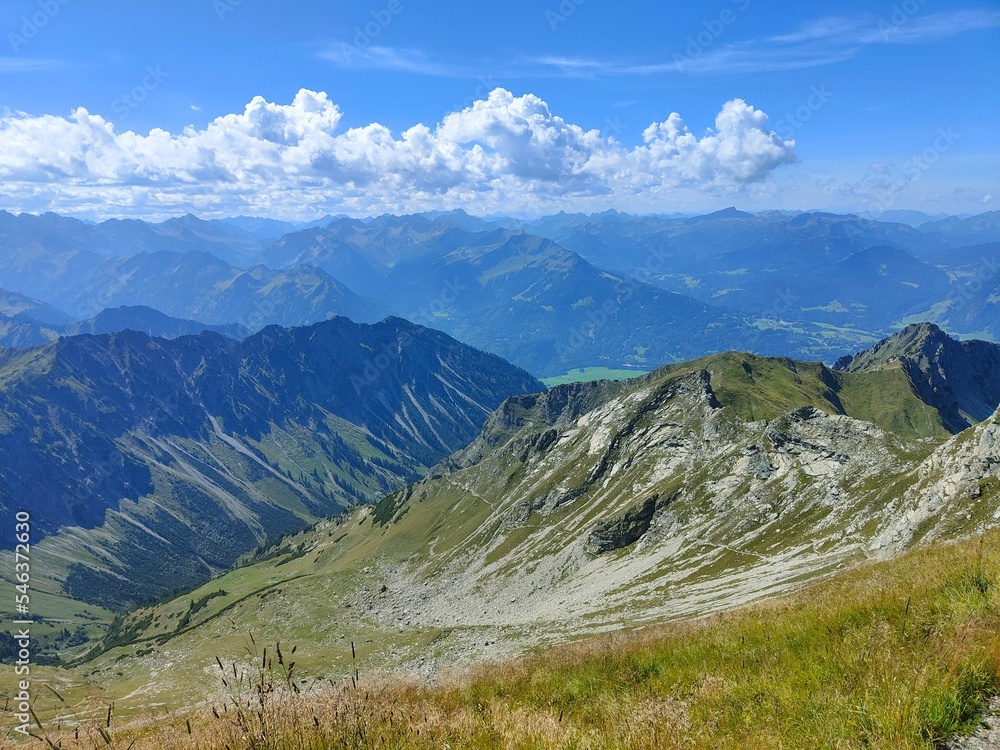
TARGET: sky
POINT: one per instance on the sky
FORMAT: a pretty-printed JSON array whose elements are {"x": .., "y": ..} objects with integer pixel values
[{"x": 298, "y": 109}]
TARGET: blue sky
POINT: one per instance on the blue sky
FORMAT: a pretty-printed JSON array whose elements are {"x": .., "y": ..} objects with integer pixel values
[{"x": 889, "y": 105}]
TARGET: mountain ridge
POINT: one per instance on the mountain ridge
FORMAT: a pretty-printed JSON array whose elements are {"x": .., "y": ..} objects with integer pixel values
[
  {"x": 23, "y": 331},
  {"x": 131, "y": 439},
  {"x": 961, "y": 379},
  {"x": 592, "y": 507}
]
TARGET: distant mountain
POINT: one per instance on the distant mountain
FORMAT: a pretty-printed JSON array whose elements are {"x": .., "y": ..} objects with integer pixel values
[
  {"x": 518, "y": 295},
  {"x": 730, "y": 240},
  {"x": 726, "y": 213},
  {"x": 151, "y": 464},
  {"x": 808, "y": 284},
  {"x": 151, "y": 322},
  {"x": 192, "y": 285},
  {"x": 260, "y": 228},
  {"x": 960, "y": 379},
  {"x": 52, "y": 235},
  {"x": 846, "y": 274},
  {"x": 956, "y": 232},
  {"x": 912, "y": 218},
  {"x": 462, "y": 220},
  {"x": 226, "y": 241},
  {"x": 21, "y": 332},
  {"x": 972, "y": 264},
  {"x": 14, "y": 305},
  {"x": 871, "y": 289},
  {"x": 322, "y": 221}
]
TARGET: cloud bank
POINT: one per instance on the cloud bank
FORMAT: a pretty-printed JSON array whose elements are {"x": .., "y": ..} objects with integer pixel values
[{"x": 503, "y": 153}]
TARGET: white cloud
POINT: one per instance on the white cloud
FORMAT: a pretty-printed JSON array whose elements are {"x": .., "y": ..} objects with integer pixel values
[
  {"x": 824, "y": 41},
  {"x": 387, "y": 58},
  {"x": 28, "y": 64},
  {"x": 505, "y": 152}
]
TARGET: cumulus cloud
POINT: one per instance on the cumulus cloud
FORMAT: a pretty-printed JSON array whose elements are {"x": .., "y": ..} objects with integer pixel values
[{"x": 504, "y": 152}]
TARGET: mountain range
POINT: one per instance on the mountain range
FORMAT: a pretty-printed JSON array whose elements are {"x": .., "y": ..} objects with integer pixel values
[
  {"x": 552, "y": 295},
  {"x": 23, "y": 331},
  {"x": 151, "y": 464},
  {"x": 596, "y": 506},
  {"x": 519, "y": 295},
  {"x": 341, "y": 423}
]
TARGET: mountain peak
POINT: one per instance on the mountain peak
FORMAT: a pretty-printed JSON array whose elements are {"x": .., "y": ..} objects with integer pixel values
[
  {"x": 914, "y": 341},
  {"x": 729, "y": 213},
  {"x": 726, "y": 213},
  {"x": 961, "y": 379}
]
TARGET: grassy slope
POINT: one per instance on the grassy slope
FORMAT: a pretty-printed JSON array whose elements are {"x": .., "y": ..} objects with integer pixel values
[
  {"x": 768, "y": 387},
  {"x": 892, "y": 655},
  {"x": 309, "y": 591},
  {"x": 315, "y": 587}
]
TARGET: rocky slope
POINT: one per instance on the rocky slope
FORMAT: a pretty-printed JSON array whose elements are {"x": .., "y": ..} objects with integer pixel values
[
  {"x": 594, "y": 507},
  {"x": 152, "y": 464}
]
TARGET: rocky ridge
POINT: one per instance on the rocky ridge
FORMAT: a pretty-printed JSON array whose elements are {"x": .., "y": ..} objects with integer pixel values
[{"x": 593, "y": 507}]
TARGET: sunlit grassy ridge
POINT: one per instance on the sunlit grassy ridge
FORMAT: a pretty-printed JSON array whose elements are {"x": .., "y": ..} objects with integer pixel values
[
  {"x": 900, "y": 654},
  {"x": 766, "y": 387}
]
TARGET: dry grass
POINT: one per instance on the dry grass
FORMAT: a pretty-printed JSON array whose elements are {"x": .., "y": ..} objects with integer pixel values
[{"x": 893, "y": 655}]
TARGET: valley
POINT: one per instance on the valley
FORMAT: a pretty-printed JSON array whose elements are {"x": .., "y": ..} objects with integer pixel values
[
  {"x": 588, "y": 509},
  {"x": 551, "y": 295},
  {"x": 465, "y": 376},
  {"x": 396, "y": 501}
]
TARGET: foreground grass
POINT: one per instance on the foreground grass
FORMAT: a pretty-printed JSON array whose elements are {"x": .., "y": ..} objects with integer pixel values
[{"x": 902, "y": 654}]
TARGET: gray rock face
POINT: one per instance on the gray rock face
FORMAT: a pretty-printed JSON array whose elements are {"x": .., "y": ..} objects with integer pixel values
[
  {"x": 986, "y": 737},
  {"x": 955, "y": 491},
  {"x": 597, "y": 506},
  {"x": 961, "y": 379},
  {"x": 624, "y": 530},
  {"x": 656, "y": 501}
]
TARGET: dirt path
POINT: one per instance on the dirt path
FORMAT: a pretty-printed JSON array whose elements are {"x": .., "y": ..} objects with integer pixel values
[{"x": 988, "y": 736}]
